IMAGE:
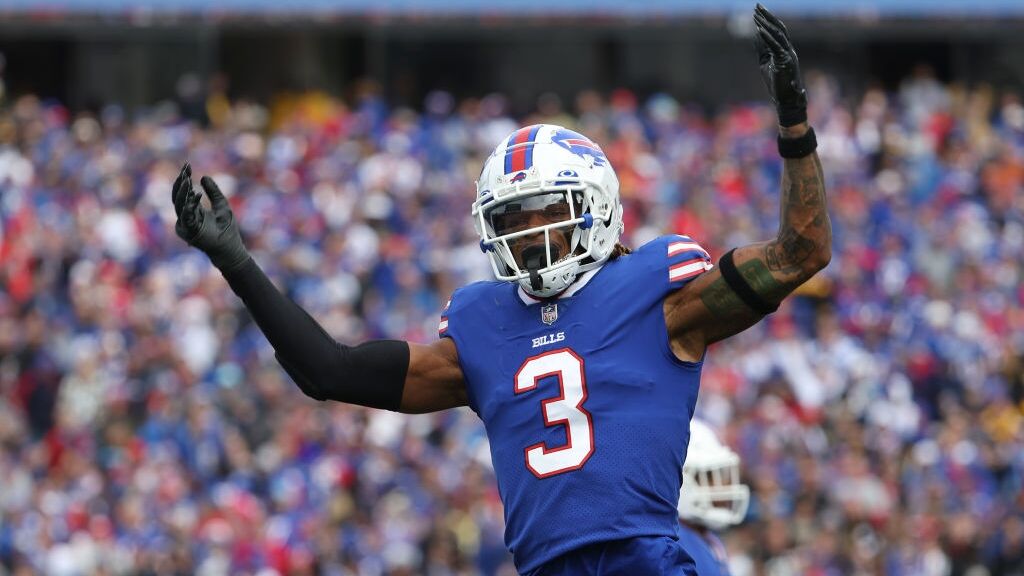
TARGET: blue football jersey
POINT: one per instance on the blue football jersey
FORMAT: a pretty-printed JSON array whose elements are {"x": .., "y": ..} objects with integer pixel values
[
  {"x": 586, "y": 407},
  {"x": 707, "y": 551}
]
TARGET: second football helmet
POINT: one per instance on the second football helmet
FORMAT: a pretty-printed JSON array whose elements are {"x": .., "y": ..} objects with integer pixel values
[
  {"x": 547, "y": 208},
  {"x": 712, "y": 494}
]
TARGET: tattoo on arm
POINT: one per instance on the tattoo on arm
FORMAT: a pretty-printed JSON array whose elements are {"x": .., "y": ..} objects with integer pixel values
[
  {"x": 722, "y": 300},
  {"x": 805, "y": 230},
  {"x": 789, "y": 252},
  {"x": 803, "y": 182}
]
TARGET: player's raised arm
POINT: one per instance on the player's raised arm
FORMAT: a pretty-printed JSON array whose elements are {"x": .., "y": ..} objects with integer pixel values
[
  {"x": 389, "y": 374},
  {"x": 750, "y": 281}
]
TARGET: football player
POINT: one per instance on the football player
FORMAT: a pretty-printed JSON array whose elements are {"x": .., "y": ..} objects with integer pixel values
[
  {"x": 582, "y": 360},
  {"x": 712, "y": 498}
]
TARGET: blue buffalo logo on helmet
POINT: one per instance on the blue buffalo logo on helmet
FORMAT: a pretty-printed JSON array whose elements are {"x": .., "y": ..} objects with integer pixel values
[
  {"x": 518, "y": 177},
  {"x": 579, "y": 145}
]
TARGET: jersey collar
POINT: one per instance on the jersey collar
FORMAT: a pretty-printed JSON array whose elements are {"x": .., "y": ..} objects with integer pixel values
[{"x": 572, "y": 289}]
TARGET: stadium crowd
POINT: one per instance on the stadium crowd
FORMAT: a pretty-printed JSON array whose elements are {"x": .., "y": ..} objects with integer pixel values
[{"x": 145, "y": 427}]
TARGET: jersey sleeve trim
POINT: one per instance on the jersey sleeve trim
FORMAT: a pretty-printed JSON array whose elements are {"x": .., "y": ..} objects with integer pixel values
[
  {"x": 686, "y": 259},
  {"x": 686, "y": 245},
  {"x": 442, "y": 326},
  {"x": 688, "y": 269}
]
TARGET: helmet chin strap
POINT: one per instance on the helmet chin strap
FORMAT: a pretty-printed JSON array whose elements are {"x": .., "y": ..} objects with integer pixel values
[
  {"x": 534, "y": 258},
  {"x": 535, "y": 281}
]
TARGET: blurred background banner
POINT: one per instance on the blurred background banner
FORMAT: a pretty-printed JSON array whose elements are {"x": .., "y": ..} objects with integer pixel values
[{"x": 520, "y": 8}]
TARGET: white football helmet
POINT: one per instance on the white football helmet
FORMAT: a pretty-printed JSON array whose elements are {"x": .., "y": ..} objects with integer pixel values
[
  {"x": 541, "y": 181},
  {"x": 712, "y": 494}
]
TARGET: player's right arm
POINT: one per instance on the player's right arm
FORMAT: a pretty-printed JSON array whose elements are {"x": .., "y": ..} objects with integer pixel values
[{"x": 389, "y": 374}]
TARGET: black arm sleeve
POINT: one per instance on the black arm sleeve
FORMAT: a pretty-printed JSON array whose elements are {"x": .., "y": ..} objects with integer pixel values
[{"x": 371, "y": 374}]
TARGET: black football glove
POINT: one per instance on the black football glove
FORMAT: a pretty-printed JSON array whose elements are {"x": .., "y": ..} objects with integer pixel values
[
  {"x": 215, "y": 232},
  {"x": 780, "y": 68}
]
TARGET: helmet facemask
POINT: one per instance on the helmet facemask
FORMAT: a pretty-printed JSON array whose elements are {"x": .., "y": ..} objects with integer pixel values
[{"x": 543, "y": 236}]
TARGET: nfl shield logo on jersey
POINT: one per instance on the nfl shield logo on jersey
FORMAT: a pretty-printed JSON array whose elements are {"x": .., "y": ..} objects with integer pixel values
[{"x": 549, "y": 313}]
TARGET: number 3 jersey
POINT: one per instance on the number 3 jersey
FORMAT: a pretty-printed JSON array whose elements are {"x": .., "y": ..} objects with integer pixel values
[{"x": 586, "y": 407}]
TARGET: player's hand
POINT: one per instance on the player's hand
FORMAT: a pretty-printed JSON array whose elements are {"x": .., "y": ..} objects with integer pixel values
[
  {"x": 215, "y": 231},
  {"x": 780, "y": 68}
]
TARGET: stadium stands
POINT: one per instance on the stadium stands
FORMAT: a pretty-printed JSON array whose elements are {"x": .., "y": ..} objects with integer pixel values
[{"x": 879, "y": 414}]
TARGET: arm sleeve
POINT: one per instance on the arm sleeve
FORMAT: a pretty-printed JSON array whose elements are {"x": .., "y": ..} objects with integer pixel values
[{"x": 371, "y": 374}]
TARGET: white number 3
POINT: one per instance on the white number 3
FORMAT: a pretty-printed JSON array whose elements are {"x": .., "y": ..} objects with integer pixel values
[{"x": 566, "y": 409}]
